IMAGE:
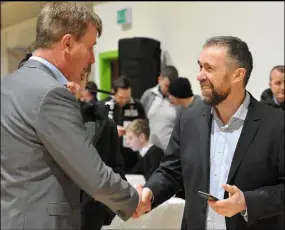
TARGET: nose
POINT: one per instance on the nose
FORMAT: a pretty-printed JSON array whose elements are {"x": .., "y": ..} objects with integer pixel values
[
  {"x": 92, "y": 57},
  {"x": 201, "y": 76}
]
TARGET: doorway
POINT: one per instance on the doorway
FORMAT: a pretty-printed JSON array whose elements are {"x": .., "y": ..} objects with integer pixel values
[{"x": 108, "y": 71}]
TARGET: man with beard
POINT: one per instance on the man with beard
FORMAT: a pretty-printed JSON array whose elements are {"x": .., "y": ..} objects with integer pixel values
[{"x": 230, "y": 146}]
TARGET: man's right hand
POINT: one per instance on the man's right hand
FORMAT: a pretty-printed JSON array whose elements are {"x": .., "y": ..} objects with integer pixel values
[
  {"x": 121, "y": 130},
  {"x": 145, "y": 201}
]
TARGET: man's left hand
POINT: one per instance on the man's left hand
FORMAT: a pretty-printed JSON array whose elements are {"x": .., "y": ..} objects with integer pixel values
[{"x": 231, "y": 206}]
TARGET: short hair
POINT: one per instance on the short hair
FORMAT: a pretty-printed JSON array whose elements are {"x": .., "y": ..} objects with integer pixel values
[
  {"x": 59, "y": 18},
  {"x": 169, "y": 72},
  {"x": 279, "y": 68},
  {"x": 138, "y": 127},
  {"x": 237, "y": 50},
  {"x": 121, "y": 83}
]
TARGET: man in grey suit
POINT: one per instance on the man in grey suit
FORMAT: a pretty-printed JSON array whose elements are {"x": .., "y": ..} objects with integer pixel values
[{"x": 46, "y": 156}]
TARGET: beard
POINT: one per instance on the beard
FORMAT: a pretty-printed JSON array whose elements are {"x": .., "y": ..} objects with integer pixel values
[{"x": 212, "y": 97}]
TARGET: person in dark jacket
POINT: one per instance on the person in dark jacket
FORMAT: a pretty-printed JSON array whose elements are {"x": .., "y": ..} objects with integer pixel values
[
  {"x": 106, "y": 140},
  {"x": 123, "y": 110},
  {"x": 137, "y": 137},
  {"x": 274, "y": 96}
]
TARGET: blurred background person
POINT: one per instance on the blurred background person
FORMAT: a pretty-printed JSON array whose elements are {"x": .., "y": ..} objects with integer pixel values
[
  {"x": 181, "y": 94},
  {"x": 160, "y": 113},
  {"x": 124, "y": 109},
  {"x": 137, "y": 137},
  {"x": 274, "y": 95}
]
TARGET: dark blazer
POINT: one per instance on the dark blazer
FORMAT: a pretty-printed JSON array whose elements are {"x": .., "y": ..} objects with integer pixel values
[
  {"x": 257, "y": 167},
  {"x": 149, "y": 162},
  {"x": 103, "y": 132}
]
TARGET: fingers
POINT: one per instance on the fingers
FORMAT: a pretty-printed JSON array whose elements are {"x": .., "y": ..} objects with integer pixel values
[
  {"x": 145, "y": 201},
  {"x": 230, "y": 188}
]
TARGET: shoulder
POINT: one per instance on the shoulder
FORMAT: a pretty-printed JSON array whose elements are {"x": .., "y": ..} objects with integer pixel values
[{"x": 156, "y": 149}]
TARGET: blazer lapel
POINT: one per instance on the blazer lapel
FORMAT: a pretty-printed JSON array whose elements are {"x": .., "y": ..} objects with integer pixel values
[
  {"x": 205, "y": 132},
  {"x": 250, "y": 127}
]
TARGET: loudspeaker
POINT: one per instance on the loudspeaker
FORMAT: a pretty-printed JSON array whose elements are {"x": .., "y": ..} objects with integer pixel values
[{"x": 139, "y": 61}]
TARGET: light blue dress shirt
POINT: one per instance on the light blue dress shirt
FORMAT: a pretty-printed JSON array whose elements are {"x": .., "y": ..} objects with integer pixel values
[
  {"x": 224, "y": 139},
  {"x": 59, "y": 76}
]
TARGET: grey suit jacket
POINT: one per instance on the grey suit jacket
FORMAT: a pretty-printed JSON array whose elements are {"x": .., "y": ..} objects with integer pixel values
[{"x": 46, "y": 156}]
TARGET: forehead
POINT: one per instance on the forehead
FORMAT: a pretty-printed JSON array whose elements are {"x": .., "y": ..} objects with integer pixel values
[
  {"x": 165, "y": 80},
  {"x": 277, "y": 75},
  {"x": 213, "y": 55},
  {"x": 122, "y": 92}
]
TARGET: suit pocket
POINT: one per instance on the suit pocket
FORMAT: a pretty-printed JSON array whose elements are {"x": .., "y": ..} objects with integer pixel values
[{"x": 61, "y": 209}]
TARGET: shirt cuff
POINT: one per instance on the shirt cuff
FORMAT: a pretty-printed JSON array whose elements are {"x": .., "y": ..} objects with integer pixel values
[{"x": 244, "y": 214}]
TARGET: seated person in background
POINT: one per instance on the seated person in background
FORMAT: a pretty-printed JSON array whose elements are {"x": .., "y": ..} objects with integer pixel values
[
  {"x": 89, "y": 94},
  {"x": 105, "y": 138},
  {"x": 137, "y": 137},
  {"x": 123, "y": 110},
  {"x": 274, "y": 96}
]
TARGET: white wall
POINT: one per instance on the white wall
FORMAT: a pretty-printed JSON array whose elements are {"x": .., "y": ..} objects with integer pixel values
[
  {"x": 19, "y": 35},
  {"x": 183, "y": 27}
]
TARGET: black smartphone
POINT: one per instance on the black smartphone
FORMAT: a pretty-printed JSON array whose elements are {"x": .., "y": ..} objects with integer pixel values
[{"x": 208, "y": 196}]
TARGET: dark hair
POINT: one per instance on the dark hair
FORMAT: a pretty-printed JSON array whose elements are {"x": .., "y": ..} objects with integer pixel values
[
  {"x": 24, "y": 60},
  {"x": 279, "y": 68},
  {"x": 170, "y": 72},
  {"x": 121, "y": 83},
  {"x": 237, "y": 50}
]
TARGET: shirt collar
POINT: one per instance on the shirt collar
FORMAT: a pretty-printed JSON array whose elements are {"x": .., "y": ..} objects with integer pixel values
[
  {"x": 240, "y": 113},
  {"x": 59, "y": 76},
  {"x": 276, "y": 102},
  {"x": 144, "y": 150}
]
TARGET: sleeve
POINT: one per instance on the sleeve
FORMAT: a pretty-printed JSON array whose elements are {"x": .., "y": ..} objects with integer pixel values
[
  {"x": 271, "y": 197},
  {"x": 141, "y": 111},
  {"x": 115, "y": 160},
  {"x": 60, "y": 128},
  {"x": 166, "y": 181},
  {"x": 144, "y": 98}
]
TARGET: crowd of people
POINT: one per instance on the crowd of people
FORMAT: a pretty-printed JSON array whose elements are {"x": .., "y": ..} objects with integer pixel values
[{"x": 65, "y": 153}]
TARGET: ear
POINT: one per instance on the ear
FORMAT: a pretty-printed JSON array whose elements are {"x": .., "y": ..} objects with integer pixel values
[
  {"x": 160, "y": 78},
  {"x": 239, "y": 75},
  {"x": 67, "y": 43},
  {"x": 142, "y": 137}
]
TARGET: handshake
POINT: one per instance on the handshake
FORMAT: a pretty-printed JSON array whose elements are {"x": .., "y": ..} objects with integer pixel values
[{"x": 144, "y": 205}]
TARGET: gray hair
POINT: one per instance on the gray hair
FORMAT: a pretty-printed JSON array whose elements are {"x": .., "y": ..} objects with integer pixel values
[
  {"x": 237, "y": 50},
  {"x": 59, "y": 18}
]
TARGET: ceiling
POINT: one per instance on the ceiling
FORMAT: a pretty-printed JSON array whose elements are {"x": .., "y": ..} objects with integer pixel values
[{"x": 15, "y": 12}]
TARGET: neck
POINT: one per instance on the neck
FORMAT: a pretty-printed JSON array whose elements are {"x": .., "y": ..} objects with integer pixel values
[
  {"x": 144, "y": 144},
  {"x": 187, "y": 101},
  {"x": 228, "y": 107},
  {"x": 49, "y": 55}
]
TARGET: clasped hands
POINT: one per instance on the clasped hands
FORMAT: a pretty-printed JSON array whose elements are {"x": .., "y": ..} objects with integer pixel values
[{"x": 144, "y": 205}]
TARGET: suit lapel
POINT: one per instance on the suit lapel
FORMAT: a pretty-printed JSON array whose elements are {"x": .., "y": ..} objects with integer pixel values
[
  {"x": 205, "y": 132},
  {"x": 250, "y": 127}
]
